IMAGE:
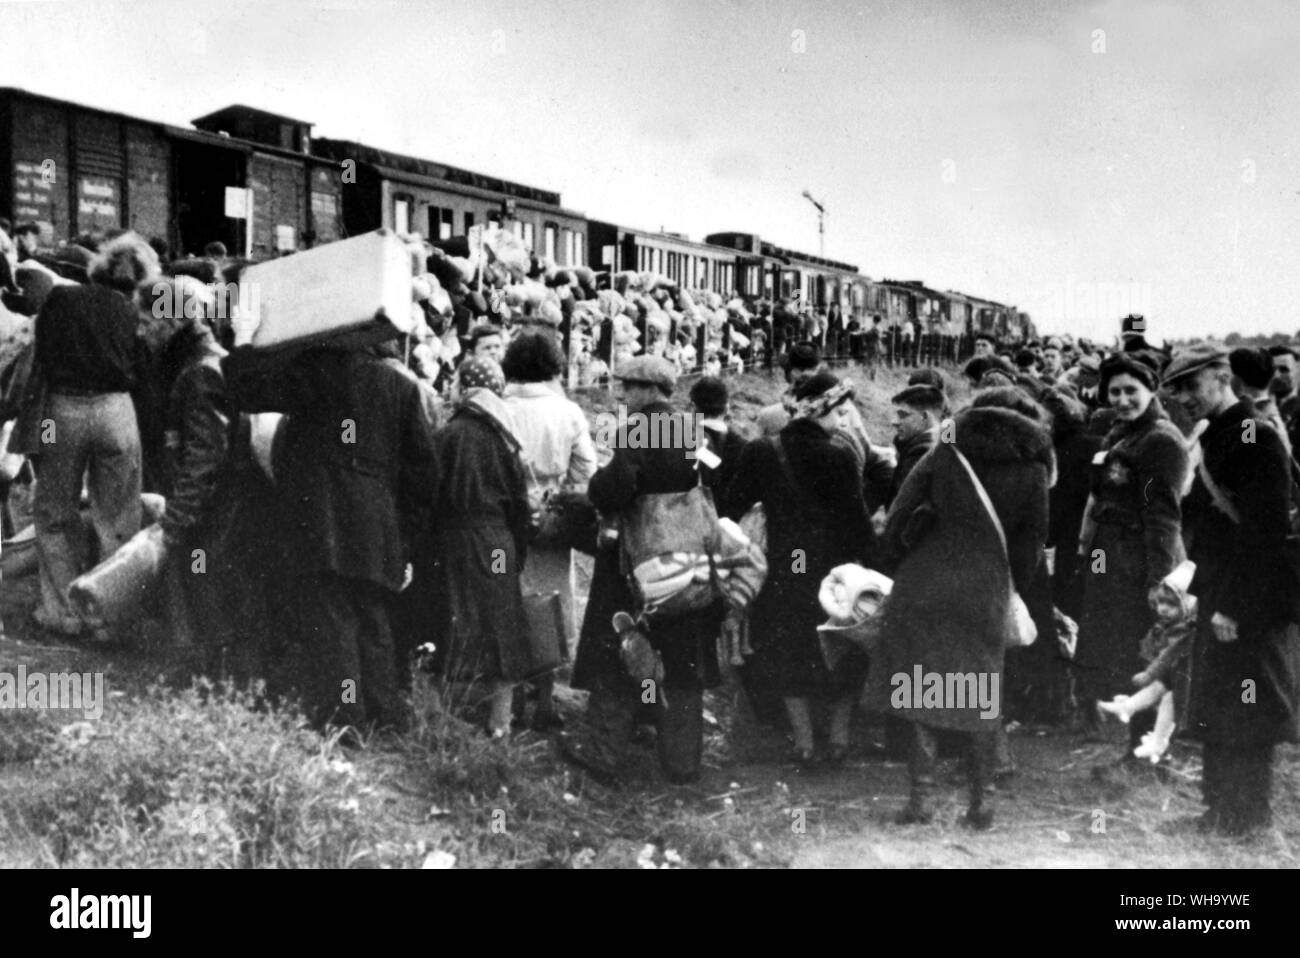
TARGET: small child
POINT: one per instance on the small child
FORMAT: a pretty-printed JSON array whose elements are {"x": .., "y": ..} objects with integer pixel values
[{"x": 1167, "y": 648}]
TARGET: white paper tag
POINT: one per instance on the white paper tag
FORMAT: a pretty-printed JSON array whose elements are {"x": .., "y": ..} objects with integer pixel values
[
  {"x": 707, "y": 456},
  {"x": 1100, "y": 458}
]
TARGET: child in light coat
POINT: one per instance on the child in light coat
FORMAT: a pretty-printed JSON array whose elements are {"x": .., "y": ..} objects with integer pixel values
[{"x": 1166, "y": 648}]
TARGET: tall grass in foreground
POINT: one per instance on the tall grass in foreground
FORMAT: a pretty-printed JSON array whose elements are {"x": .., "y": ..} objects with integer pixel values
[{"x": 201, "y": 777}]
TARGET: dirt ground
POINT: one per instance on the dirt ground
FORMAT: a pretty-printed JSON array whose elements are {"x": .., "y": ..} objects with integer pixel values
[{"x": 751, "y": 809}]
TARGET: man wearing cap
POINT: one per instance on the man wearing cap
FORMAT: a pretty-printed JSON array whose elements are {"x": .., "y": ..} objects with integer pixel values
[
  {"x": 917, "y": 411},
  {"x": 1083, "y": 376},
  {"x": 711, "y": 403},
  {"x": 984, "y": 345},
  {"x": 1243, "y": 694},
  {"x": 686, "y": 643}
]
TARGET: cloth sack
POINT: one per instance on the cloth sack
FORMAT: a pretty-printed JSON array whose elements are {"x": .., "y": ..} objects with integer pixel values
[
  {"x": 117, "y": 586},
  {"x": 667, "y": 542}
]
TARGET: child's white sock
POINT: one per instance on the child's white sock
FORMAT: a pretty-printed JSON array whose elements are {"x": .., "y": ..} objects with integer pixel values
[{"x": 1118, "y": 706}]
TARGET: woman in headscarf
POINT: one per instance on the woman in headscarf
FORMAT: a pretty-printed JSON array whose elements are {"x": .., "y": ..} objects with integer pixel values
[
  {"x": 1132, "y": 532},
  {"x": 480, "y": 529},
  {"x": 811, "y": 490}
]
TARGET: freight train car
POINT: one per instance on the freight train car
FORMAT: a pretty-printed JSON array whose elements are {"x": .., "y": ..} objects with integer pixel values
[{"x": 75, "y": 170}]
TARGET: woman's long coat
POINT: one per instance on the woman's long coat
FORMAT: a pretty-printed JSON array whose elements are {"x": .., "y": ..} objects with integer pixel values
[
  {"x": 947, "y": 613},
  {"x": 1136, "y": 491},
  {"x": 813, "y": 526},
  {"x": 477, "y": 547}
]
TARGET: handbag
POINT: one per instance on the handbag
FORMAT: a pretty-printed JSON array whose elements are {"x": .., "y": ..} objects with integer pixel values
[
  {"x": 566, "y": 519},
  {"x": 545, "y": 645},
  {"x": 1021, "y": 631}
]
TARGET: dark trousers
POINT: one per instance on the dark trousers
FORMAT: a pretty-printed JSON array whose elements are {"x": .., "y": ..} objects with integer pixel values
[
  {"x": 980, "y": 750},
  {"x": 1235, "y": 784},
  {"x": 612, "y": 712},
  {"x": 344, "y": 640}
]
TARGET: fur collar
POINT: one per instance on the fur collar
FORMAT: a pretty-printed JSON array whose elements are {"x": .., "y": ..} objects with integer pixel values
[{"x": 1002, "y": 435}]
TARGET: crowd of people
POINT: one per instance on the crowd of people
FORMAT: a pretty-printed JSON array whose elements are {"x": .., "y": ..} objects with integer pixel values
[{"x": 1137, "y": 504}]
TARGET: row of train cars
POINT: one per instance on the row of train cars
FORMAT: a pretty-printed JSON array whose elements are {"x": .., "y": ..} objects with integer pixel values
[{"x": 263, "y": 185}]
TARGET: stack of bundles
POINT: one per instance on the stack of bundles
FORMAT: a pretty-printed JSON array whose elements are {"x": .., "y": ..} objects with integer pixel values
[
  {"x": 647, "y": 312},
  {"x": 853, "y": 598}
]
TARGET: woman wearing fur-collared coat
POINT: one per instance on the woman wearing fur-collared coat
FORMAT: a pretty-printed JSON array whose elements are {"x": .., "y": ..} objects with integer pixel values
[
  {"x": 1132, "y": 535},
  {"x": 948, "y": 611}
]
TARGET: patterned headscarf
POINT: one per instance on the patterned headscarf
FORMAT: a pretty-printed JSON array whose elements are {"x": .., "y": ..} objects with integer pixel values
[
  {"x": 477, "y": 372},
  {"x": 482, "y": 384},
  {"x": 818, "y": 395}
]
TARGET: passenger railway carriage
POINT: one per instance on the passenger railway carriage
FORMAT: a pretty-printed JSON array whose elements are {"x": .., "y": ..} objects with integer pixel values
[{"x": 263, "y": 185}]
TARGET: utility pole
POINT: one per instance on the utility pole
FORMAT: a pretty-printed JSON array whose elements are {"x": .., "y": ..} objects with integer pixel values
[{"x": 821, "y": 223}]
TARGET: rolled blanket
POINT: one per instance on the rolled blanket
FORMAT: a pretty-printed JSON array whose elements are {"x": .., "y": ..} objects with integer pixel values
[
  {"x": 115, "y": 587},
  {"x": 853, "y": 597},
  {"x": 851, "y": 594}
]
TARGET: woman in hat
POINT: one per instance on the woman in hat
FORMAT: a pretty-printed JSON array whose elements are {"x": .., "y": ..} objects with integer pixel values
[
  {"x": 1131, "y": 536},
  {"x": 480, "y": 531},
  {"x": 811, "y": 491}
]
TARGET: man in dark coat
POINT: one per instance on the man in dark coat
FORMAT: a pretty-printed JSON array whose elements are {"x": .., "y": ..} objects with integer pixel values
[
  {"x": 948, "y": 614},
  {"x": 209, "y": 599},
  {"x": 353, "y": 464},
  {"x": 711, "y": 403},
  {"x": 686, "y": 643},
  {"x": 917, "y": 410},
  {"x": 1244, "y": 660},
  {"x": 1283, "y": 389}
]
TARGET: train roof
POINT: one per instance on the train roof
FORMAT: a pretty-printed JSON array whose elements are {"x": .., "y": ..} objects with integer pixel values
[
  {"x": 753, "y": 245},
  {"x": 237, "y": 112},
  {"x": 431, "y": 172},
  {"x": 666, "y": 236}
]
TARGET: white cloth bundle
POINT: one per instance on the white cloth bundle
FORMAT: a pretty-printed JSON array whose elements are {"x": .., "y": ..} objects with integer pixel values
[
  {"x": 119, "y": 584},
  {"x": 850, "y": 594}
]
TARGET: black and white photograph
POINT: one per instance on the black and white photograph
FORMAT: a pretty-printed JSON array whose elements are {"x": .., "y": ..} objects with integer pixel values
[{"x": 663, "y": 434}]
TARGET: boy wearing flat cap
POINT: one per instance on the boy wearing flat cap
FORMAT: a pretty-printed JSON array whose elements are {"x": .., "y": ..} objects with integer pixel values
[{"x": 1243, "y": 694}]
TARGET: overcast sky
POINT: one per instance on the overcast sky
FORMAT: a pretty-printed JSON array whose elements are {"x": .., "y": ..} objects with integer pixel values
[{"x": 1076, "y": 159}]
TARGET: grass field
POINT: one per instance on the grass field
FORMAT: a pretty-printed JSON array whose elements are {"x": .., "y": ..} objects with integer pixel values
[{"x": 206, "y": 777}]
